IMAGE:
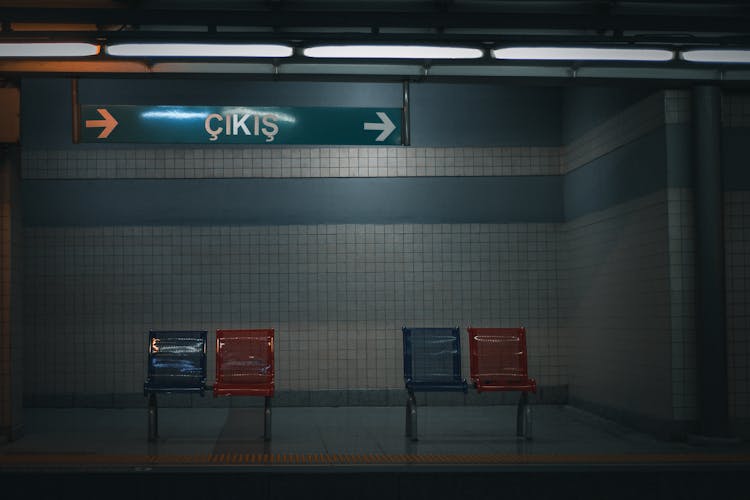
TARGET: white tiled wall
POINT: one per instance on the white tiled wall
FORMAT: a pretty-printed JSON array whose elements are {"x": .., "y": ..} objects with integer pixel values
[
  {"x": 337, "y": 295},
  {"x": 282, "y": 162},
  {"x": 737, "y": 251},
  {"x": 615, "y": 312},
  {"x": 621, "y": 129},
  {"x": 627, "y": 280}
]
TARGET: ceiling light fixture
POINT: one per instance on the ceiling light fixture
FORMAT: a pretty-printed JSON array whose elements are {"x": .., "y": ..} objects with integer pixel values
[
  {"x": 392, "y": 52},
  {"x": 198, "y": 50},
  {"x": 45, "y": 49},
  {"x": 583, "y": 54},
  {"x": 716, "y": 56}
]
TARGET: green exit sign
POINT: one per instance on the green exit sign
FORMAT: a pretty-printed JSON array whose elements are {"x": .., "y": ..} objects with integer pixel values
[{"x": 239, "y": 125}]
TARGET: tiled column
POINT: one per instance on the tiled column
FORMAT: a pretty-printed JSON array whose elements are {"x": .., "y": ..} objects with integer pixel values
[
  {"x": 10, "y": 337},
  {"x": 735, "y": 137},
  {"x": 681, "y": 227},
  {"x": 710, "y": 291},
  {"x": 5, "y": 363}
]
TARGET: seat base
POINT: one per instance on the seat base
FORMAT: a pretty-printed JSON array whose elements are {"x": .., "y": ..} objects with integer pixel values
[
  {"x": 528, "y": 385},
  {"x": 437, "y": 386},
  {"x": 153, "y": 389},
  {"x": 242, "y": 390}
]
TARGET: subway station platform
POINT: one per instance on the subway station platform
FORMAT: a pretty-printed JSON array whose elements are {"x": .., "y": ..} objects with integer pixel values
[{"x": 359, "y": 452}]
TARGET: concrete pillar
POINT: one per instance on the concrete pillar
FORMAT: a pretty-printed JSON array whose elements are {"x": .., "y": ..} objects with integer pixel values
[{"x": 711, "y": 332}]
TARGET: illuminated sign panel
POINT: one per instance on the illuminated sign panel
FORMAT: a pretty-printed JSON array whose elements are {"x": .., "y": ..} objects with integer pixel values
[{"x": 239, "y": 125}]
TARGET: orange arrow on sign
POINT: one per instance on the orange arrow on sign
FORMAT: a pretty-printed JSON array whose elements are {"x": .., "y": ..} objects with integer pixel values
[{"x": 109, "y": 123}]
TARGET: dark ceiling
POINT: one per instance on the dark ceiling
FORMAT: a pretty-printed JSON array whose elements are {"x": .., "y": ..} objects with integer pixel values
[
  {"x": 485, "y": 24},
  {"x": 491, "y": 22}
]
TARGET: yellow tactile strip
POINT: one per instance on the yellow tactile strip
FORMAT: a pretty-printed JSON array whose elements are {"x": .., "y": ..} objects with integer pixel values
[{"x": 295, "y": 459}]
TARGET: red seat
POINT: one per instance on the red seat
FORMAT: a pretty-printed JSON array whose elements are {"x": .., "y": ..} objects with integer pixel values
[
  {"x": 244, "y": 363},
  {"x": 497, "y": 360}
]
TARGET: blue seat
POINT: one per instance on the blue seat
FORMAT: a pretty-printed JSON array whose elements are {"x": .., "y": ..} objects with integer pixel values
[
  {"x": 432, "y": 363},
  {"x": 176, "y": 362},
  {"x": 432, "y": 360}
]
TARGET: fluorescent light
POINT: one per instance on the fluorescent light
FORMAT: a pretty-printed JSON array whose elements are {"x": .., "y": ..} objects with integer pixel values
[
  {"x": 352, "y": 69},
  {"x": 392, "y": 52},
  {"x": 198, "y": 50},
  {"x": 716, "y": 55},
  {"x": 213, "y": 67},
  {"x": 73, "y": 49},
  {"x": 582, "y": 54}
]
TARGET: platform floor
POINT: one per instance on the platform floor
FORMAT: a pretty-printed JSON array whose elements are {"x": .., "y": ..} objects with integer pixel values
[
  {"x": 346, "y": 436},
  {"x": 358, "y": 453}
]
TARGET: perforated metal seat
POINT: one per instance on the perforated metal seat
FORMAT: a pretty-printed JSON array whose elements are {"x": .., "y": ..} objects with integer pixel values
[
  {"x": 176, "y": 364},
  {"x": 498, "y": 362},
  {"x": 244, "y": 363},
  {"x": 432, "y": 359},
  {"x": 245, "y": 367},
  {"x": 432, "y": 363}
]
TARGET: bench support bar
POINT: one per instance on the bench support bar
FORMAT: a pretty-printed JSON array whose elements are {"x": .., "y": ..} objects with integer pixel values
[
  {"x": 153, "y": 418},
  {"x": 411, "y": 416},
  {"x": 267, "y": 419}
]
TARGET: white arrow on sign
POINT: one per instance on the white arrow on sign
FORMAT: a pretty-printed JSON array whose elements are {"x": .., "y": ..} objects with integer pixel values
[
  {"x": 386, "y": 126},
  {"x": 109, "y": 123}
]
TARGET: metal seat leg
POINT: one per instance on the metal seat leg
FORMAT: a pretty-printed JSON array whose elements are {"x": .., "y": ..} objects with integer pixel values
[
  {"x": 529, "y": 422},
  {"x": 407, "y": 418},
  {"x": 523, "y": 417},
  {"x": 267, "y": 420},
  {"x": 411, "y": 417},
  {"x": 153, "y": 418}
]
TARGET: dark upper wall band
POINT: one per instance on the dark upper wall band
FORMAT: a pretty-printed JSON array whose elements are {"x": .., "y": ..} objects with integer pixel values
[{"x": 292, "y": 201}]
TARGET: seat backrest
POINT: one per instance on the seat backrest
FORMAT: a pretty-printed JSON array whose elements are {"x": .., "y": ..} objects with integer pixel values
[
  {"x": 177, "y": 359},
  {"x": 498, "y": 354},
  {"x": 432, "y": 355},
  {"x": 244, "y": 357}
]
